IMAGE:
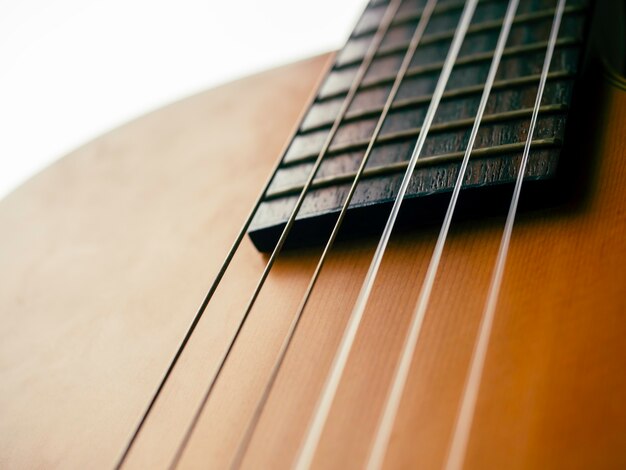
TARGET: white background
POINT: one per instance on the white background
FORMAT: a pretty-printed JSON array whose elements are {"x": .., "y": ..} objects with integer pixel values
[{"x": 73, "y": 69}]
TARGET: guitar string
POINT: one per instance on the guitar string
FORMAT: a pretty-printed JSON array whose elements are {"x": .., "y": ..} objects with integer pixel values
[
  {"x": 404, "y": 67},
  {"x": 354, "y": 88},
  {"x": 211, "y": 291},
  {"x": 314, "y": 432},
  {"x": 392, "y": 401},
  {"x": 460, "y": 439},
  {"x": 216, "y": 281}
]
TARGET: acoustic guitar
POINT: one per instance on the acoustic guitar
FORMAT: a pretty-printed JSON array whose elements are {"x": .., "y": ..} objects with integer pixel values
[{"x": 430, "y": 274}]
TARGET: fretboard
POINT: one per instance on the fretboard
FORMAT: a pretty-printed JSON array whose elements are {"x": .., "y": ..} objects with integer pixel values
[{"x": 497, "y": 151}]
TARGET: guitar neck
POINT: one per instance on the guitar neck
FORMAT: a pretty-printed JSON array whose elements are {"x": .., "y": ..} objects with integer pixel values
[{"x": 373, "y": 102}]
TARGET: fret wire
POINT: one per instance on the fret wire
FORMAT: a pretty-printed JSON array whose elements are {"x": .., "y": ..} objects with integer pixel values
[
  {"x": 460, "y": 438},
  {"x": 422, "y": 69},
  {"x": 481, "y": 27},
  {"x": 331, "y": 385},
  {"x": 441, "y": 127},
  {"x": 411, "y": 17},
  {"x": 460, "y": 92},
  {"x": 528, "y": 17},
  {"x": 466, "y": 60},
  {"x": 392, "y": 402},
  {"x": 476, "y": 29},
  {"x": 382, "y": 29},
  {"x": 392, "y": 168},
  {"x": 415, "y": 41}
]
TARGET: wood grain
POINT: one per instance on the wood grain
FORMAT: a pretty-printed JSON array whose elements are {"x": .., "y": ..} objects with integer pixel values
[
  {"x": 106, "y": 255},
  {"x": 504, "y": 123}
]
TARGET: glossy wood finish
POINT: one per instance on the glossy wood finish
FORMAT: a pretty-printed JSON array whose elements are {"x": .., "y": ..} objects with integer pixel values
[
  {"x": 106, "y": 255},
  {"x": 496, "y": 147}
]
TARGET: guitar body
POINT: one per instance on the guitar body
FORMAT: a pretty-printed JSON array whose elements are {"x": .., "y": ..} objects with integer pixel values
[{"x": 106, "y": 256}]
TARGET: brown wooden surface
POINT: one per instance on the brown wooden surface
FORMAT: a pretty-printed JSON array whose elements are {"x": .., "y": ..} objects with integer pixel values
[
  {"x": 504, "y": 125},
  {"x": 105, "y": 256}
]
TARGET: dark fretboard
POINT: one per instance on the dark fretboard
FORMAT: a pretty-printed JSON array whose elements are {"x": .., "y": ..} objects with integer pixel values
[{"x": 500, "y": 140}]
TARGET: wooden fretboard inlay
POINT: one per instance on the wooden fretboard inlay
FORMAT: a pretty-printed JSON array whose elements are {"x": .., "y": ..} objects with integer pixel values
[{"x": 502, "y": 132}]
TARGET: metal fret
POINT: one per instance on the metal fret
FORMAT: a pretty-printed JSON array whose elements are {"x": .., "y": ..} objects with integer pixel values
[
  {"x": 492, "y": 25},
  {"x": 467, "y": 60},
  {"x": 444, "y": 36},
  {"x": 399, "y": 167},
  {"x": 442, "y": 127},
  {"x": 411, "y": 17},
  {"x": 461, "y": 92},
  {"x": 414, "y": 17}
]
